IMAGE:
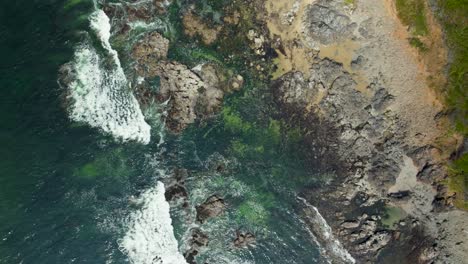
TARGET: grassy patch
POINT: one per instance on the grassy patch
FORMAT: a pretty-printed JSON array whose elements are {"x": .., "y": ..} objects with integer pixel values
[
  {"x": 458, "y": 181},
  {"x": 454, "y": 20},
  {"x": 413, "y": 14},
  {"x": 417, "y": 43},
  {"x": 350, "y": 2}
]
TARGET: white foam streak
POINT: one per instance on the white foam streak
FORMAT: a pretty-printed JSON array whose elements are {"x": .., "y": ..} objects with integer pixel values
[
  {"x": 99, "y": 92},
  {"x": 150, "y": 238},
  {"x": 323, "y": 232}
]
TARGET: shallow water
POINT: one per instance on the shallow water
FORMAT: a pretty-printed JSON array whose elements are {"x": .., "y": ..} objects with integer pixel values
[{"x": 77, "y": 189}]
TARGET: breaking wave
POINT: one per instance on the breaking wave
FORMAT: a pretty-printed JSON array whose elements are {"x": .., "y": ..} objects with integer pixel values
[
  {"x": 98, "y": 91},
  {"x": 322, "y": 232},
  {"x": 150, "y": 238}
]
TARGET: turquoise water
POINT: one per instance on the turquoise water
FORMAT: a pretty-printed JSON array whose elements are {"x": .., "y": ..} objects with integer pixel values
[{"x": 66, "y": 189}]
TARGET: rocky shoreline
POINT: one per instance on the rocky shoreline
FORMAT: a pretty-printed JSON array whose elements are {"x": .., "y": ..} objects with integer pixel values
[
  {"x": 363, "y": 101},
  {"x": 388, "y": 125}
]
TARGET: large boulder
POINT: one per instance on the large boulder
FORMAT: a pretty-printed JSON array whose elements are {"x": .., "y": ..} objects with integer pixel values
[
  {"x": 244, "y": 240},
  {"x": 325, "y": 24},
  {"x": 148, "y": 52},
  {"x": 212, "y": 207},
  {"x": 191, "y": 94}
]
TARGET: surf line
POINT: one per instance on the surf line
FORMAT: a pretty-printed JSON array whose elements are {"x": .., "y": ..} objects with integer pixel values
[
  {"x": 323, "y": 233},
  {"x": 97, "y": 90},
  {"x": 150, "y": 237}
]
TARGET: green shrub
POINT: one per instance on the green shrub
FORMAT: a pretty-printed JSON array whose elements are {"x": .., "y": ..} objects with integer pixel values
[
  {"x": 417, "y": 43},
  {"x": 412, "y": 14},
  {"x": 458, "y": 181}
]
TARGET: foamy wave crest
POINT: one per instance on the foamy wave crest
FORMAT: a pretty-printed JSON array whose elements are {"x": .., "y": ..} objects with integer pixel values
[
  {"x": 150, "y": 238},
  {"x": 98, "y": 91},
  {"x": 324, "y": 235}
]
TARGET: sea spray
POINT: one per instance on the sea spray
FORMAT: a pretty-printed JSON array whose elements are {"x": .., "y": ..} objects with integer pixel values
[
  {"x": 150, "y": 236},
  {"x": 98, "y": 91},
  {"x": 323, "y": 234}
]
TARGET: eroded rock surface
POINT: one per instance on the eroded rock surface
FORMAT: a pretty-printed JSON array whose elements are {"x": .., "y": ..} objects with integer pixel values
[
  {"x": 212, "y": 207},
  {"x": 197, "y": 242},
  {"x": 363, "y": 83},
  {"x": 191, "y": 94},
  {"x": 323, "y": 22}
]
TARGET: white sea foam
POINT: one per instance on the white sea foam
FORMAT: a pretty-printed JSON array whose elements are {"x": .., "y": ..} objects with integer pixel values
[
  {"x": 99, "y": 91},
  {"x": 150, "y": 237},
  {"x": 324, "y": 234}
]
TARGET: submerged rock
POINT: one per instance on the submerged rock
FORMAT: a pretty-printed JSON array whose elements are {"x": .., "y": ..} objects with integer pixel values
[
  {"x": 243, "y": 240},
  {"x": 197, "y": 241},
  {"x": 212, "y": 207}
]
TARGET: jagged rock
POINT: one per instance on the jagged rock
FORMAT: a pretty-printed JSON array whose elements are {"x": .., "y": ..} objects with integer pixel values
[
  {"x": 175, "y": 192},
  {"x": 244, "y": 239},
  {"x": 181, "y": 87},
  {"x": 191, "y": 93},
  {"x": 212, "y": 207},
  {"x": 366, "y": 133},
  {"x": 374, "y": 243},
  {"x": 191, "y": 96},
  {"x": 197, "y": 241}
]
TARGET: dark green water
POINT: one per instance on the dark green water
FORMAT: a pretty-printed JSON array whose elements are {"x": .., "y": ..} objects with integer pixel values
[{"x": 65, "y": 188}]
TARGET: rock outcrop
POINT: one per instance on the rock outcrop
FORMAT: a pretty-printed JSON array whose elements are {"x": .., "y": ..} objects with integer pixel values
[
  {"x": 327, "y": 24},
  {"x": 212, "y": 207},
  {"x": 244, "y": 240},
  {"x": 382, "y": 125},
  {"x": 197, "y": 242},
  {"x": 191, "y": 94}
]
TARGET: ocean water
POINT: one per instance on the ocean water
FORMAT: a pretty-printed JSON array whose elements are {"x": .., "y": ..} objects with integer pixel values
[{"x": 82, "y": 166}]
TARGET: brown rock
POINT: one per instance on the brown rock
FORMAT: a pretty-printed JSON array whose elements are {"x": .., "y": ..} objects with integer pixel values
[
  {"x": 212, "y": 207},
  {"x": 195, "y": 26},
  {"x": 244, "y": 239},
  {"x": 148, "y": 52}
]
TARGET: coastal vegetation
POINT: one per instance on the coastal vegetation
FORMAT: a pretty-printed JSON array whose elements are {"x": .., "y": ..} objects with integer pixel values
[
  {"x": 453, "y": 17},
  {"x": 454, "y": 20}
]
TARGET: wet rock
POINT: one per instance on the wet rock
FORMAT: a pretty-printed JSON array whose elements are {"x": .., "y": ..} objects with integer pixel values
[
  {"x": 175, "y": 187},
  {"x": 375, "y": 242},
  {"x": 243, "y": 240},
  {"x": 199, "y": 239},
  {"x": 212, "y": 207},
  {"x": 197, "y": 242},
  {"x": 143, "y": 11},
  {"x": 148, "y": 52},
  {"x": 180, "y": 86},
  {"x": 192, "y": 94},
  {"x": 161, "y": 6},
  {"x": 195, "y": 26},
  {"x": 176, "y": 192}
]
